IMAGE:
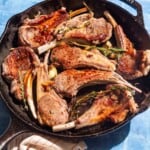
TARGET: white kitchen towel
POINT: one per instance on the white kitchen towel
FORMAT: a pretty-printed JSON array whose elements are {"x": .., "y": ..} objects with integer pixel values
[{"x": 32, "y": 141}]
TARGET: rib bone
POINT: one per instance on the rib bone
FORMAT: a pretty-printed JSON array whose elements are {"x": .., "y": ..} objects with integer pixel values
[
  {"x": 69, "y": 82},
  {"x": 121, "y": 38}
]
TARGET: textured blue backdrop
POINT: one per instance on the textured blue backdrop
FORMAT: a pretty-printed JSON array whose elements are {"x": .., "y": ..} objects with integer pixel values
[{"x": 133, "y": 136}]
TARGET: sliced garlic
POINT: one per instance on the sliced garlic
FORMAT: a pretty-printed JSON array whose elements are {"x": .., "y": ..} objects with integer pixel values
[{"x": 52, "y": 71}]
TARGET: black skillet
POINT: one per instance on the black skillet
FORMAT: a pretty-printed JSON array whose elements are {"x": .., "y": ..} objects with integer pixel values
[{"x": 134, "y": 28}]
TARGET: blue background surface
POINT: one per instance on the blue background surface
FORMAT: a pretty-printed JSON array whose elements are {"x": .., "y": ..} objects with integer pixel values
[{"x": 133, "y": 136}]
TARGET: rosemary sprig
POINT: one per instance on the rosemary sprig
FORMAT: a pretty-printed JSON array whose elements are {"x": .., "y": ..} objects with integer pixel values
[
  {"x": 104, "y": 50},
  {"x": 85, "y": 98},
  {"x": 79, "y": 101}
]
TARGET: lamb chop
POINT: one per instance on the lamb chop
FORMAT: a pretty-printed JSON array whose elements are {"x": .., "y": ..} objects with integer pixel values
[
  {"x": 85, "y": 28},
  {"x": 38, "y": 31},
  {"x": 51, "y": 108},
  {"x": 132, "y": 68},
  {"x": 113, "y": 104},
  {"x": 69, "y": 82},
  {"x": 16, "y": 64},
  {"x": 74, "y": 57},
  {"x": 133, "y": 63}
]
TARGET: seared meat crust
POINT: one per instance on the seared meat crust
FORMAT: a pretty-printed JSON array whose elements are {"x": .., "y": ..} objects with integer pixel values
[
  {"x": 52, "y": 109},
  {"x": 20, "y": 59},
  {"x": 133, "y": 67},
  {"x": 85, "y": 27},
  {"x": 73, "y": 57},
  {"x": 38, "y": 31},
  {"x": 69, "y": 82},
  {"x": 110, "y": 104},
  {"x": 16, "y": 64}
]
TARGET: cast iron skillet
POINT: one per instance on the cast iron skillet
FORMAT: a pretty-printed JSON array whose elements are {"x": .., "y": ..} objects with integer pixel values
[{"x": 134, "y": 28}]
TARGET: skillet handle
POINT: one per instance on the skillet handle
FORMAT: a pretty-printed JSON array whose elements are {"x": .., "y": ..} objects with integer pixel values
[
  {"x": 139, "y": 17},
  {"x": 15, "y": 127}
]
